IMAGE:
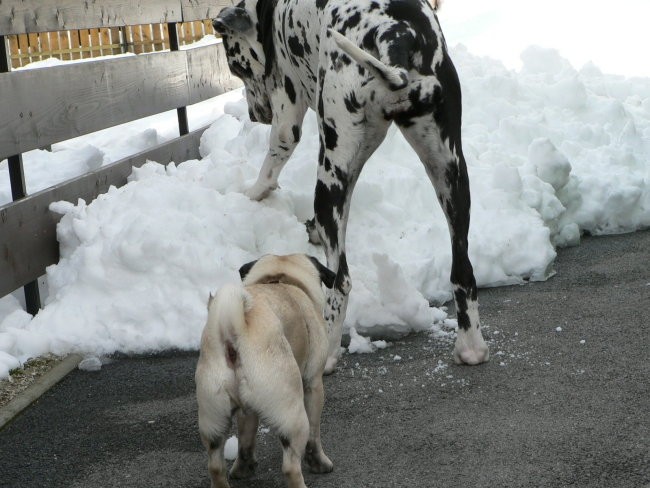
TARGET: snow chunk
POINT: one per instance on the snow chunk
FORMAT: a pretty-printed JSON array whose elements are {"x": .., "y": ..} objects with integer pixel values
[
  {"x": 549, "y": 163},
  {"x": 90, "y": 363},
  {"x": 230, "y": 448}
]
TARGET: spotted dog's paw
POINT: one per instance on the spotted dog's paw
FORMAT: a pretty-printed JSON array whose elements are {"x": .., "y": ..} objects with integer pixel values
[
  {"x": 259, "y": 192},
  {"x": 470, "y": 347}
]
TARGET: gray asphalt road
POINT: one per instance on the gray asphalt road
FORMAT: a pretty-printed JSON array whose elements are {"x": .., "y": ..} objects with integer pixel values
[{"x": 548, "y": 410}]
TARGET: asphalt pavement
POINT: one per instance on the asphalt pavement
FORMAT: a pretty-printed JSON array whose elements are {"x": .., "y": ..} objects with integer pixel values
[{"x": 564, "y": 401}]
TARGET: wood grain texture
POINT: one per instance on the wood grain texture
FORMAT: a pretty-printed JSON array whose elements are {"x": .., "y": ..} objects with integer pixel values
[
  {"x": 44, "y": 106},
  {"x": 203, "y": 9},
  {"x": 208, "y": 73},
  {"x": 28, "y": 228},
  {"x": 27, "y": 16}
]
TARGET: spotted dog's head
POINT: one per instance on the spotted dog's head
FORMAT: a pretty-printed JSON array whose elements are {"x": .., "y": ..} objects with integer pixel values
[{"x": 247, "y": 37}]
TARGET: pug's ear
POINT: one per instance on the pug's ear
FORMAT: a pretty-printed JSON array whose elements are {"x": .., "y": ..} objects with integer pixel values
[
  {"x": 234, "y": 19},
  {"x": 327, "y": 276},
  {"x": 245, "y": 269}
]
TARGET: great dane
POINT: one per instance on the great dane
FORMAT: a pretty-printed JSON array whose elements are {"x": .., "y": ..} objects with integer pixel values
[{"x": 360, "y": 65}]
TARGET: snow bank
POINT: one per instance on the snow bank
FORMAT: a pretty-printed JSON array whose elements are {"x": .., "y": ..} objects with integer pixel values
[{"x": 552, "y": 152}]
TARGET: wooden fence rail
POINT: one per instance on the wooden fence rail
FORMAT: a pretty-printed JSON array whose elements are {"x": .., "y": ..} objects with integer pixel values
[{"x": 45, "y": 106}]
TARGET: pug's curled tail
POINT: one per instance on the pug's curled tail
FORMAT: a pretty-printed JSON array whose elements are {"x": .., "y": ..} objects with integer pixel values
[{"x": 226, "y": 314}]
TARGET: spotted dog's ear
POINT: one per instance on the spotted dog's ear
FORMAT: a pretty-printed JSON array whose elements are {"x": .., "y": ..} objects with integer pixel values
[
  {"x": 245, "y": 269},
  {"x": 234, "y": 19},
  {"x": 327, "y": 276}
]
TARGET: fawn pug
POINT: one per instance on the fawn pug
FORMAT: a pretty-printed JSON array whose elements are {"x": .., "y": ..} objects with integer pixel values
[{"x": 263, "y": 352}]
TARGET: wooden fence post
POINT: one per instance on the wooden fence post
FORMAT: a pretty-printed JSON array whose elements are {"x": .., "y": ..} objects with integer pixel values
[
  {"x": 183, "y": 125},
  {"x": 18, "y": 189}
]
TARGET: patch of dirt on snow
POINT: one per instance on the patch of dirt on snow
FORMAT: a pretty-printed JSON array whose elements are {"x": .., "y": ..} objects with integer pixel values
[{"x": 22, "y": 378}]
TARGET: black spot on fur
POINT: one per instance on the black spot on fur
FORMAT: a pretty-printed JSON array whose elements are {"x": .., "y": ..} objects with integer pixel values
[
  {"x": 296, "y": 133},
  {"x": 245, "y": 269},
  {"x": 321, "y": 80},
  {"x": 420, "y": 104},
  {"x": 327, "y": 276},
  {"x": 331, "y": 136},
  {"x": 335, "y": 18},
  {"x": 351, "y": 22},
  {"x": 342, "y": 273},
  {"x": 289, "y": 88},
  {"x": 448, "y": 112},
  {"x": 368, "y": 41},
  {"x": 461, "y": 313},
  {"x": 351, "y": 102},
  {"x": 264, "y": 11},
  {"x": 296, "y": 47},
  {"x": 326, "y": 199},
  {"x": 411, "y": 12},
  {"x": 401, "y": 45},
  {"x": 327, "y": 164}
]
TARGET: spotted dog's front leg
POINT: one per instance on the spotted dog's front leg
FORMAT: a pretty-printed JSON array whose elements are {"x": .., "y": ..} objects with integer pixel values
[{"x": 285, "y": 135}]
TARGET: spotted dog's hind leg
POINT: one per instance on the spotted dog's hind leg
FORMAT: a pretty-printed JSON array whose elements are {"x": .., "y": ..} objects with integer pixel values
[
  {"x": 432, "y": 127},
  {"x": 285, "y": 135}
]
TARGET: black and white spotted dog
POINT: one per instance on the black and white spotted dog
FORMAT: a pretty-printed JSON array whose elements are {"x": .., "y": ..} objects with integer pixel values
[{"x": 361, "y": 65}]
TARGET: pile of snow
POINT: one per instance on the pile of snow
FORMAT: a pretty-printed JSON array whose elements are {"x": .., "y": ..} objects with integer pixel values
[{"x": 552, "y": 152}]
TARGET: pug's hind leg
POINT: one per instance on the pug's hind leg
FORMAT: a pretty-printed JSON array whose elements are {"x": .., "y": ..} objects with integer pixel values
[
  {"x": 315, "y": 458},
  {"x": 216, "y": 461},
  {"x": 245, "y": 464},
  {"x": 293, "y": 448}
]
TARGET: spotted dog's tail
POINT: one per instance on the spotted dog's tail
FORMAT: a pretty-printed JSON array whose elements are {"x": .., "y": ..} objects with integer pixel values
[
  {"x": 227, "y": 322},
  {"x": 396, "y": 78}
]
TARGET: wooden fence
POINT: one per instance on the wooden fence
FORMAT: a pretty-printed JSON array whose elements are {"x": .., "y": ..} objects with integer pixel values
[
  {"x": 45, "y": 106},
  {"x": 90, "y": 43}
]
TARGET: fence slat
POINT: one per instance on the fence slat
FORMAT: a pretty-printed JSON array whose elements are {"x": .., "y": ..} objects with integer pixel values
[
  {"x": 27, "y": 16},
  {"x": 208, "y": 74},
  {"x": 158, "y": 38},
  {"x": 62, "y": 102},
  {"x": 44, "y": 40},
  {"x": 28, "y": 228},
  {"x": 203, "y": 9}
]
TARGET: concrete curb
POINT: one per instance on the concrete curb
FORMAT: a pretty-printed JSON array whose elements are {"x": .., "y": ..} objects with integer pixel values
[{"x": 40, "y": 386}]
